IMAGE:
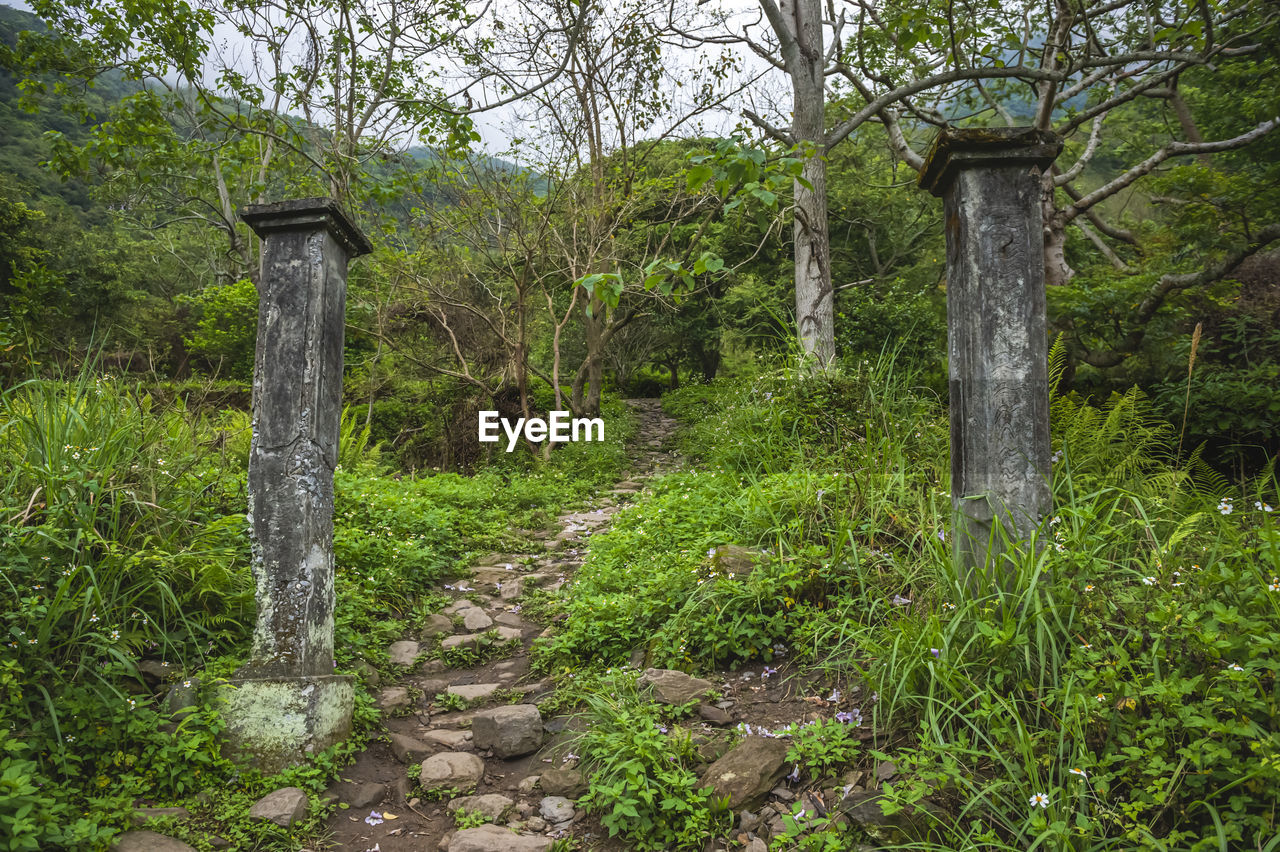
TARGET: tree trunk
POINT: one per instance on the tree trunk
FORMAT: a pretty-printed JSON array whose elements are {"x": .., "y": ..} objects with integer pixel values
[
  {"x": 585, "y": 400},
  {"x": 815, "y": 314},
  {"x": 1056, "y": 270}
]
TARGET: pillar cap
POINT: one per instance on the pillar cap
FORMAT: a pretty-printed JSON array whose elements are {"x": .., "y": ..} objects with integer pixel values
[
  {"x": 307, "y": 214},
  {"x": 965, "y": 148}
]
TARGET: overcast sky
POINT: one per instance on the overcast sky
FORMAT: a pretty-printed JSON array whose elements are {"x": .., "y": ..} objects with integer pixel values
[{"x": 499, "y": 126}]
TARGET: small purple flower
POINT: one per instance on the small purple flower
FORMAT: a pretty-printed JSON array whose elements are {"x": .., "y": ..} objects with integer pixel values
[
  {"x": 374, "y": 818},
  {"x": 795, "y": 773},
  {"x": 937, "y": 652},
  {"x": 768, "y": 670},
  {"x": 844, "y": 717}
]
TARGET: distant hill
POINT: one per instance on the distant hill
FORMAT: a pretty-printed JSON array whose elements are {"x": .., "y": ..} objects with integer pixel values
[{"x": 23, "y": 145}]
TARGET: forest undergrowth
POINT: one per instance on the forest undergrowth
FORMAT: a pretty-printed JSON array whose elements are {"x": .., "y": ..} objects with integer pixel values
[
  {"x": 124, "y": 544},
  {"x": 1121, "y": 695}
]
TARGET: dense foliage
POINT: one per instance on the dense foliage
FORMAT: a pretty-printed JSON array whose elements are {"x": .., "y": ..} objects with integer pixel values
[
  {"x": 1129, "y": 676},
  {"x": 124, "y": 540}
]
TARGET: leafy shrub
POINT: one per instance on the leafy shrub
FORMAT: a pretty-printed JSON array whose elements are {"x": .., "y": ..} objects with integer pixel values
[
  {"x": 643, "y": 786},
  {"x": 227, "y": 329}
]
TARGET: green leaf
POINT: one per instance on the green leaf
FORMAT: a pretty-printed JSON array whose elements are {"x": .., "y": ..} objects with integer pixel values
[{"x": 697, "y": 176}]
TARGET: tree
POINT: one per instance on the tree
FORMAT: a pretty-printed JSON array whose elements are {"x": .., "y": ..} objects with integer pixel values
[{"x": 908, "y": 66}]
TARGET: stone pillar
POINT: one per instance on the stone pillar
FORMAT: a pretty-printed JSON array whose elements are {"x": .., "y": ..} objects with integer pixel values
[
  {"x": 997, "y": 339},
  {"x": 287, "y": 703}
]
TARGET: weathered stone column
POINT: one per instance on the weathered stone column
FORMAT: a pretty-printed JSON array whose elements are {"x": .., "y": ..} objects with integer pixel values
[
  {"x": 286, "y": 702},
  {"x": 997, "y": 340}
]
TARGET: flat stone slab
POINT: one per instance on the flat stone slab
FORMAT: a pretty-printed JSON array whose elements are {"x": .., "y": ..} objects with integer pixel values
[
  {"x": 461, "y": 640},
  {"x": 748, "y": 770},
  {"x": 437, "y": 625},
  {"x": 494, "y": 838},
  {"x": 408, "y": 749},
  {"x": 393, "y": 698},
  {"x": 284, "y": 807},
  {"x": 474, "y": 691},
  {"x": 451, "y": 770},
  {"x": 493, "y": 805},
  {"x": 358, "y": 795},
  {"x": 675, "y": 687},
  {"x": 509, "y": 619},
  {"x": 144, "y": 815},
  {"x": 501, "y": 560},
  {"x": 150, "y": 841},
  {"x": 476, "y": 619},
  {"x": 510, "y": 634},
  {"x": 402, "y": 653},
  {"x": 452, "y": 740}
]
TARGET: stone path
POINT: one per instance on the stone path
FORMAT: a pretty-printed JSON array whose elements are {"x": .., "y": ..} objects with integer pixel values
[{"x": 483, "y": 745}]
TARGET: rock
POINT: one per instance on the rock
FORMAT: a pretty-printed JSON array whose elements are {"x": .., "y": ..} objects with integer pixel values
[
  {"x": 885, "y": 770},
  {"x": 509, "y": 619},
  {"x": 360, "y": 795},
  {"x": 510, "y": 634},
  {"x": 436, "y": 625},
  {"x": 462, "y": 640},
  {"x": 529, "y": 784},
  {"x": 510, "y": 731},
  {"x": 367, "y": 672},
  {"x": 562, "y": 782},
  {"x": 476, "y": 619},
  {"x": 451, "y": 770},
  {"x": 494, "y": 807},
  {"x": 183, "y": 695},
  {"x": 748, "y": 821},
  {"x": 782, "y": 794},
  {"x": 711, "y": 746},
  {"x": 903, "y": 826},
  {"x": 748, "y": 770},
  {"x": 556, "y": 809},
  {"x": 404, "y": 652},
  {"x": 284, "y": 807},
  {"x": 452, "y": 740},
  {"x": 459, "y": 606},
  {"x": 218, "y": 842},
  {"x": 142, "y": 816},
  {"x": 407, "y": 749},
  {"x": 156, "y": 671},
  {"x": 511, "y": 589},
  {"x": 756, "y": 845},
  {"x": 714, "y": 715},
  {"x": 433, "y": 686},
  {"x": 433, "y": 667},
  {"x": 535, "y": 824},
  {"x": 393, "y": 698},
  {"x": 674, "y": 687},
  {"x": 474, "y": 691},
  {"x": 736, "y": 561},
  {"x": 149, "y": 841},
  {"x": 494, "y": 838}
]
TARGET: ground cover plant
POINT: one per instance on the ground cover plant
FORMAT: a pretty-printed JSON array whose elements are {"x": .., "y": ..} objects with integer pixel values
[
  {"x": 123, "y": 539},
  {"x": 1121, "y": 695}
]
